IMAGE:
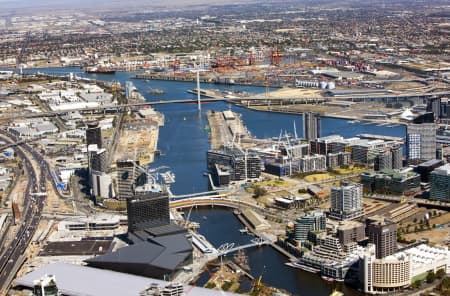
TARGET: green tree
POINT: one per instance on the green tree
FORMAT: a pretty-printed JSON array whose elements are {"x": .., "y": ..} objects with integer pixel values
[
  {"x": 431, "y": 276},
  {"x": 440, "y": 273},
  {"x": 258, "y": 191},
  {"x": 416, "y": 284}
]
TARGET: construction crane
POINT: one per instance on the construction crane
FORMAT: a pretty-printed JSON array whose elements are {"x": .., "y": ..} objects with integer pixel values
[
  {"x": 251, "y": 59},
  {"x": 176, "y": 64},
  {"x": 276, "y": 57}
]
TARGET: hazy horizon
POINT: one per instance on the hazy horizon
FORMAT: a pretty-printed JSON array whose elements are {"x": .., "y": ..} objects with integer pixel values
[{"x": 26, "y": 6}]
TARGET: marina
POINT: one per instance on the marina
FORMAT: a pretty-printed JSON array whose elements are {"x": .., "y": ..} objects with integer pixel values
[{"x": 184, "y": 141}]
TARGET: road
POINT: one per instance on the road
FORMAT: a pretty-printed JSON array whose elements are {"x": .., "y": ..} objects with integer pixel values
[
  {"x": 32, "y": 211},
  {"x": 263, "y": 100}
]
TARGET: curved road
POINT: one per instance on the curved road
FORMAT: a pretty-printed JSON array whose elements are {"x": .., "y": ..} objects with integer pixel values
[{"x": 32, "y": 211}]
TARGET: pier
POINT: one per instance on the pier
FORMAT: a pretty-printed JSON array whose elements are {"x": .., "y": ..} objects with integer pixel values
[{"x": 262, "y": 236}]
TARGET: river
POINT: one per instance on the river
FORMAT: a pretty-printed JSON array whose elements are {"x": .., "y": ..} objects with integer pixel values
[{"x": 184, "y": 142}]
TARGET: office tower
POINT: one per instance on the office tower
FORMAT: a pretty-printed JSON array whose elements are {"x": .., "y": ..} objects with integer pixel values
[
  {"x": 383, "y": 234},
  {"x": 346, "y": 202},
  {"x": 94, "y": 134},
  {"x": 383, "y": 160},
  {"x": 147, "y": 211},
  {"x": 311, "y": 126},
  {"x": 313, "y": 221},
  {"x": 434, "y": 105},
  {"x": 440, "y": 183},
  {"x": 97, "y": 158},
  {"x": 99, "y": 180},
  {"x": 421, "y": 142},
  {"x": 439, "y": 152},
  {"x": 397, "y": 157},
  {"x": 126, "y": 178}
]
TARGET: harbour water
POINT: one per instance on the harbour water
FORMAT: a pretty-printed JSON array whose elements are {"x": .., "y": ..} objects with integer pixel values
[
  {"x": 183, "y": 142},
  {"x": 221, "y": 226}
]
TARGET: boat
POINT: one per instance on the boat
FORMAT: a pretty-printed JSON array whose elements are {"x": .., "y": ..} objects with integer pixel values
[
  {"x": 155, "y": 91},
  {"x": 302, "y": 267},
  {"x": 168, "y": 177},
  {"x": 204, "y": 217},
  {"x": 243, "y": 230},
  {"x": 241, "y": 260},
  {"x": 156, "y": 69},
  {"x": 328, "y": 279},
  {"x": 100, "y": 70}
]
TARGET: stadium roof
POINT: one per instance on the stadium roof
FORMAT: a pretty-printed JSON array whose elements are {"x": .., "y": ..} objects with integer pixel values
[
  {"x": 162, "y": 252},
  {"x": 77, "y": 280}
]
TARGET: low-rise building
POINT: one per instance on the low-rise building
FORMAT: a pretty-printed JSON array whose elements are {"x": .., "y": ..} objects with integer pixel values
[
  {"x": 350, "y": 231},
  {"x": 391, "y": 182}
]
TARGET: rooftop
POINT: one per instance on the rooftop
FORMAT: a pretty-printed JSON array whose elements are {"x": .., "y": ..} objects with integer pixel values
[
  {"x": 77, "y": 280},
  {"x": 443, "y": 170}
]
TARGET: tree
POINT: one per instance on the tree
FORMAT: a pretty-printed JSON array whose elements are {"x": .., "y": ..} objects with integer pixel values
[
  {"x": 431, "y": 276},
  {"x": 258, "y": 191},
  {"x": 416, "y": 284},
  {"x": 440, "y": 273}
]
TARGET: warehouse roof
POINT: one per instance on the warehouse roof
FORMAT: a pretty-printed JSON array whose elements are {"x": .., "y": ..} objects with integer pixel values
[{"x": 77, "y": 280}]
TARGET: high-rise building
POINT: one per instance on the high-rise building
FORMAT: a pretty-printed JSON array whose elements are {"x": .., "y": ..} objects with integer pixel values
[
  {"x": 313, "y": 221},
  {"x": 383, "y": 160},
  {"x": 97, "y": 158},
  {"x": 311, "y": 126},
  {"x": 383, "y": 234},
  {"x": 346, "y": 202},
  {"x": 397, "y": 157},
  {"x": 101, "y": 184},
  {"x": 94, "y": 134},
  {"x": 440, "y": 183},
  {"x": 421, "y": 142},
  {"x": 147, "y": 211},
  {"x": 434, "y": 105},
  {"x": 126, "y": 178}
]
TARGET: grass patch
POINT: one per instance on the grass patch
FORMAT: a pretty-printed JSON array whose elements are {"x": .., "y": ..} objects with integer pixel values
[
  {"x": 210, "y": 285},
  {"x": 319, "y": 177},
  {"x": 419, "y": 277},
  {"x": 226, "y": 286}
]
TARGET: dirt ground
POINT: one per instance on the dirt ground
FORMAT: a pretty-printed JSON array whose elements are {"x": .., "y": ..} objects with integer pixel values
[{"x": 436, "y": 236}]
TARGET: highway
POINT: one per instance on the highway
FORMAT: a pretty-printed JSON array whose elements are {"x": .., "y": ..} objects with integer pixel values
[
  {"x": 206, "y": 100},
  {"x": 31, "y": 215}
]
